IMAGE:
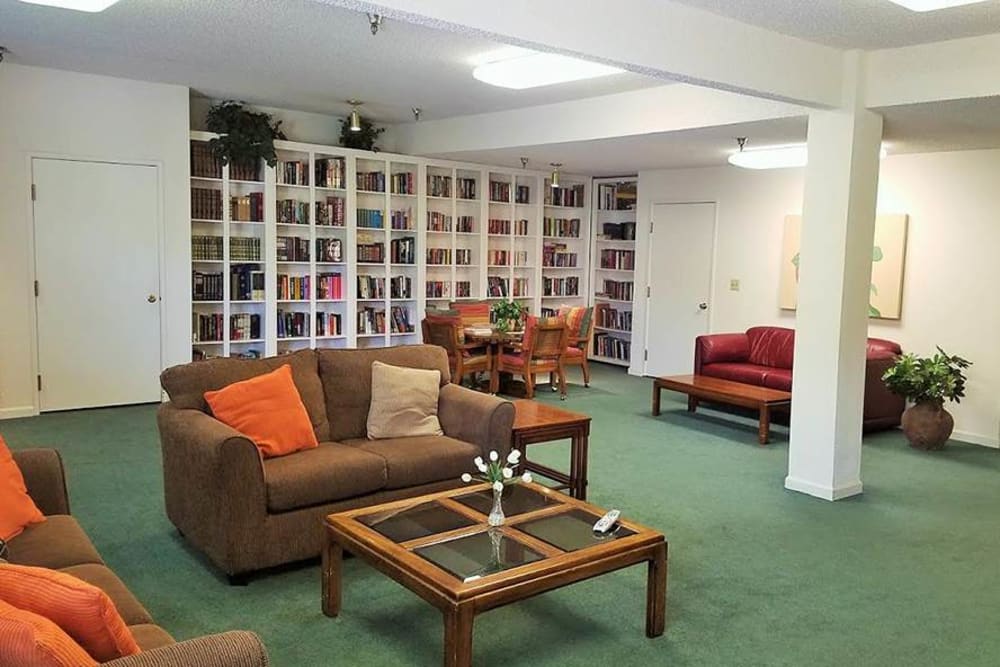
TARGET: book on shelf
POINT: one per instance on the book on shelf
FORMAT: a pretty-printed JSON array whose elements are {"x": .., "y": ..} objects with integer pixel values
[
  {"x": 247, "y": 208},
  {"x": 572, "y": 195},
  {"x": 207, "y": 328},
  {"x": 618, "y": 290},
  {"x": 438, "y": 222},
  {"x": 204, "y": 163},
  {"x": 498, "y": 257},
  {"x": 293, "y": 288},
  {"x": 438, "y": 256},
  {"x": 370, "y": 218},
  {"x": 497, "y": 286},
  {"x": 616, "y": 196},
  {"x": 246, "y": 283},
  {"x": 371, "y": 320},
  {"x": 330, "y": 286},
  {"x": 403, "y": 183},
  {"x": 292, "y": 324},
  {"x": 245, "y": 171},
  {"x": 328, "y": 324},
  {"x": 330, "y": 213},
  {"x": 557, "y": 255},
  {"x": 206, "y": 286},
  {"x": 244, "y": 249},
  {"x": 500, "y": 192},
  {"x": 438, "y": 186},
  {"x": 463, "y": 256},
  {"x": 619, "y": 231},
  {"x": 612, "y": 347},
  {"x": 206, "y": 204},
  {"x": 621, "y": 260},
  {"x": 520, "y": 227},
  {"x": 498, "y": 226},
  {"x": 520, "y": 286},
  {"x": 244, "y": 326},
  {"x": 568, "y": 286},
  {"x": 329, "y": 250},
  {"x": 562, "y": 227},
  {"x": 401, "y": 219},
  {"x": 607, "y": 317},
  {"x": 466, "y": 188},
  {"x": 371, "y": 287},
  {"x": 438, "y": 289},
  {"x": 291, "y": 249},
  {"x": 466, "y": 224},
  {"x": 403, "y": 250},
  {"x": 331, "y": 173},
  {"x": 293, "y": 212},
  {"x": 292, "y": 172},
  {"x": 522, "y": 195},
  {"x": 370, "y": 252},
  {"x": 400, "y": 287},
  {"x": 400, "y": 319},
  {"x": 206, "y": 248},
  {"x": 370, "y": 181}
]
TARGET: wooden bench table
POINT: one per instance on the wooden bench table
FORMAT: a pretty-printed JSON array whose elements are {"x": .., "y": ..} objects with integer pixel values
[
  {"x": 718, "y": 390},
  {"x": 536, "y": 422}
]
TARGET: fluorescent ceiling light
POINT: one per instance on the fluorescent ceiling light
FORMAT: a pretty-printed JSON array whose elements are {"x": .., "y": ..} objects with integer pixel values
[
  {"x": 529, "y": 69},
  {"x": 776, "y": 157},
  {"x": 78, "y": 5},
  {"x": 931, "y": 5}
]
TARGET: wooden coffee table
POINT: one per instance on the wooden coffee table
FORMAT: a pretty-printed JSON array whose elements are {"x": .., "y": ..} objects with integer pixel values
[
  {"x": 440, "y": 547},
  {"x": 538, "y": 422},
  {"x": 718, "y": 390}
]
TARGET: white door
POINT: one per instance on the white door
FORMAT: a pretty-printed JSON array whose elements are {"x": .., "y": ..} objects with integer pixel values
[
  {"x": 97, "y": 267},
  {"x": 680, "y": 279}
]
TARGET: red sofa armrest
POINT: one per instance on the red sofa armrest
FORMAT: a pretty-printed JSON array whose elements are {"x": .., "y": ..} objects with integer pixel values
[
  {"x": 716, "y": 348},
  {"x": 878, "y": 347}
]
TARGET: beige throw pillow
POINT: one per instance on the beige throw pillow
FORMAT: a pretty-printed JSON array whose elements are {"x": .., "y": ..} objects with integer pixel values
[{"x": 404, "y": 402}]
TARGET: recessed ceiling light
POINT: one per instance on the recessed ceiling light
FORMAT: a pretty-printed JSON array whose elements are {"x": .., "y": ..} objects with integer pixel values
[
  {"x": 776, "y": 157},
  {"x": 78, "y": 5},
  {"x": 931, "y": 5},
  {"x": 530, "y": 69}
]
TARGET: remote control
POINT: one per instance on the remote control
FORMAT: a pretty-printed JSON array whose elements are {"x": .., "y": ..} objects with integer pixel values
[{"x": 606, "y": 523}]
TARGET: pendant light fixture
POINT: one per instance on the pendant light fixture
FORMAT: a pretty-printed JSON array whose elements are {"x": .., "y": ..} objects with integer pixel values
[
  {"x": 555, "y": 174},
  {"x": 355, "y": 116}
]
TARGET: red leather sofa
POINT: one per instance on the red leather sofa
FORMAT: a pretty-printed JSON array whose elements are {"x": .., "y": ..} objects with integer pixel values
[{"x": 763, "y": 356}]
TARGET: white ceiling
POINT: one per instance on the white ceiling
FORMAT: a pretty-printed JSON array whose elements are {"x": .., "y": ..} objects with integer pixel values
[
  {"x": 293, "y": 54},
  {"x": 858, "y": 24}
]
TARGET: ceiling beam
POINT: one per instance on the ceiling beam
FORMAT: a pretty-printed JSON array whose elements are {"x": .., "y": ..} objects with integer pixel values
[
  {"x": 656, "y": 38},
  {"x": 647, "y": 111}
]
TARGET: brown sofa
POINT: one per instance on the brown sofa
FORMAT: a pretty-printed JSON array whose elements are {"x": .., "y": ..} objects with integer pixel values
[
  {"x": 247, "y": 513},
  {"x": 59, "y": 543}
]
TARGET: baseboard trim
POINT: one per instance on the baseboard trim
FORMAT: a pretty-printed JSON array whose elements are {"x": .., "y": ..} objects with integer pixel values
[
  {"x": 822, "y": 492},
  {"x": 17, "y": 413},
  {"x": 976, "y": 439}
]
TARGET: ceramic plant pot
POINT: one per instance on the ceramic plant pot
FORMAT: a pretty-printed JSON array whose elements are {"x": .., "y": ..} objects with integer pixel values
[{"x": 927, "y": 425}]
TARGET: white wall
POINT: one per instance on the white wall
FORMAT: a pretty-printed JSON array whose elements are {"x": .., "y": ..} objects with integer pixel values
[
  {"x": 950, "y": 294},
  {"x": 94, "y": 117}
]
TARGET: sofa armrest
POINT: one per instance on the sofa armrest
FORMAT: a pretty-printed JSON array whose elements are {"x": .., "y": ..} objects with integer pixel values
[
  {"x": 228, "y": 649},
  {"x": 45, "y": 478},
  {"x": 476, "y": 417},
  {"x": 716, "y": 348}
]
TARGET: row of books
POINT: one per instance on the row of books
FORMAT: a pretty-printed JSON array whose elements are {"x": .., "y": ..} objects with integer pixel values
[
  {"x": 247, "y": 208},
  {"x": 328, "y": 324},
  {"x": 293, "y": 288},
  {"x": 438, "y": 289},
  {"x": 246, "y": 283},
  {"x": 293, "y": 212},
  {"x": 558, "y": 255},
  {"x": 616, "y": 196},
  {"x": 612, "y": 347},
  {"x": 403, "y": 184},
  {"x": 566, "y": 196},
  {"x": 562, "y": 227},
  {"x": 204, "y": 163},
  {"x": 330, "y": 286},
  {"x": 329, "y": 250},
  {"x": 370, "y": 181},
  {"x": 465, "y": 224},
  {"x": 331, "y": 173},
  {"x": 371, "y": 287},
  {"x": 371, "y": 253},
  {"x": 500, "y": 193},
  {"x": 619, "y": 290},
  {"x": 291, "y": 249},
  {"x": 463, "y": 288},
  {"x": 245, "y": 171},
  {"x": 207, "y": 328},
  {"x": 507, "y": 257},
  {"x": 400, "y": 287},
  {"x": 568, "y": 286},
  {"x": 330, "y": 213},
  {"x": 372, "y": 320},
  {"x": 206, "y": 204},
  {"x": 438, "y": 222},
  {"x": 439, "y": 256},
  {"x": 466, "y": 188},
  {"x": 505, "y": 227},
  {"x": 244, "y": 326},
  {"x": 292, "y": 172},
  {"x": 623, "y": 260},
  {"x": 403, "y": 250},
  {"x": 624, "y": 231},
  {"x": 293, "y": 324},
  {"x": 370, "y": 218},
  {"x": 498, "y": 286},
  {"x": 401, "y": 219},
  {"x": 206, "y": 247},
  {"x": 400, "y": 319},
  {"x": 613, "y": 318},
  {"x": 244, "y": 249},
  {"x": 207, "y": 286},
  {"x": 438, "y": 186}
]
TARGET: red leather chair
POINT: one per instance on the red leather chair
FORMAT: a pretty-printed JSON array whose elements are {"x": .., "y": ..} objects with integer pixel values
[{"x": 764, "y": 355}]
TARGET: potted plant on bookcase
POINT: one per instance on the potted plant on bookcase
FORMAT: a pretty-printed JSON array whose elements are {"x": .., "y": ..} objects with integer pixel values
[
  {"x": 245, "y": 137},
  {"x": 363, "y": 139},
  {"x": 928, "y": 382},
  {"x": 506, "y": 315}
]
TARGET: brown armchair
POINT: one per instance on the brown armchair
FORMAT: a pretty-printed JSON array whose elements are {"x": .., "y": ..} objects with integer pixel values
[
  {"x": 542, "y": 350},
  {"x": 445, "y": 331}
]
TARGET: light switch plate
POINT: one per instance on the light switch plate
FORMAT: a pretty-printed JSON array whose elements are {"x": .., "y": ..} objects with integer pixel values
[{"x": 734, "y": 285}]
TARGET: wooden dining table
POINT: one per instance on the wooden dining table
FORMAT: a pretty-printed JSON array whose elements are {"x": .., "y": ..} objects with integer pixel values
[{"x": 495, "y": 341}]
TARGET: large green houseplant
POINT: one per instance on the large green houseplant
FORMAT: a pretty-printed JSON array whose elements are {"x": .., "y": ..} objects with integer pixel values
[
  {"x": 928, "y": 382},
  {"x": 245, "y": 137},
  {"x": 506, "y": 315}
]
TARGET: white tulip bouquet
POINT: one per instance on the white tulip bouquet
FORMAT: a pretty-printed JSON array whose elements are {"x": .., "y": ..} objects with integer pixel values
[{"x": 496, "y": 473}]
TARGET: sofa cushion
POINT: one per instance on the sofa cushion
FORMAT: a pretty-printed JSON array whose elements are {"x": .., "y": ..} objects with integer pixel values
[
  {"x": 779, "y": 378},
  {"x": 738, "y": 372},
  {"x": 404, "y": 402},
  {"x": 420, "y": 460},
  {"x": 57, "y": 543},
  {"x": 31, "y": 639},
  {"x": 19, "y": 510},
  {"x": 327, "y": 473},
  {"x": 771, "y": 346},
  {"x": 347, "y": 381},
  {"x": 149, "y": 636},
  {"x": 186, "y": 384},
  {"x": 126, "y": 603}
]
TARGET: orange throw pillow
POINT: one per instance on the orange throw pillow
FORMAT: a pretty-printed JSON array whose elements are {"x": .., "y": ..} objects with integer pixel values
[
  {"x": 83, "y": 611},
  {"x": 268, "y": 410},
  {"x": 31, "y": 640},
  {"x": 17, "y": 509}
]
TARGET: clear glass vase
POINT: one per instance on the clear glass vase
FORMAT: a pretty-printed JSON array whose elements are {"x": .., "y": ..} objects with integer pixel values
[{"x": 496, "y": 517}]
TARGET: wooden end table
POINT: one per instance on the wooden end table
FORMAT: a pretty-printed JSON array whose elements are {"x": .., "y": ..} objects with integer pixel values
[
  {"x": 718, "y": 390},
  {"x": 440, "y": 547},
  {"x": 538, "y": 422}
]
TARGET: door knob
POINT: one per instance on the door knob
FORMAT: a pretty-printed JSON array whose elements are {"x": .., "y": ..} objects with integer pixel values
[
  {"x": 702, "y": 306},
  {"x": 151, "y": 298}
]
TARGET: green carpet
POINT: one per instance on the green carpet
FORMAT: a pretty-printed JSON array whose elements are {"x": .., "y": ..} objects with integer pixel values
[{"x": 906, "y": 574}]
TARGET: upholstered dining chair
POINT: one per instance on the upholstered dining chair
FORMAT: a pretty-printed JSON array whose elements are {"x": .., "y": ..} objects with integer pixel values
[
  {"x": 445, "y": 331},
  {"x": 580, "y": 323},
  {"x": 473, "y": 313},
  {"x": 542, "y": 350}
]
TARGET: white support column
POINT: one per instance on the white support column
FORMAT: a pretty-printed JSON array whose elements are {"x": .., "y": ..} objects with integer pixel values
[{"x": 824, "y": 458}]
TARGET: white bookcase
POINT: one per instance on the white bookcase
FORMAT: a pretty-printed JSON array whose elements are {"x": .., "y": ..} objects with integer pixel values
[
  {"x": 441, "y": 217},
  {"x": 565, "y": 230},
  {"x": 613, "y": 259}
]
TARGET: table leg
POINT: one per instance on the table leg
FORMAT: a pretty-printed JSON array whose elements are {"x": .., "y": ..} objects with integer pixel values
[
  {"x": 764, "y": 429},
  {"x": 656, "y": 398},
  {"x": 580, "y": 446},
  {"x": 458, "y": 636},
  {"x": 333, "y": 565},
  {"x": 656, "y": 592},
  {"x": 692, "y": 404}
]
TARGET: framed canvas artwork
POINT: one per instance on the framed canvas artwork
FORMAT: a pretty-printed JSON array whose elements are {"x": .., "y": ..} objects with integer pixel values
[{"x": 888, "y": 263}]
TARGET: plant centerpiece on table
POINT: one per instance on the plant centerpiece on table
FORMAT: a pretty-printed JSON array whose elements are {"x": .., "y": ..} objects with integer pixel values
[
  {"x": 928, "y": 382},
  {"x": 498, "y": 475},
  {"x": 506, "y": 315},
  {"x": 245, "y": 137},
  {"x": 363, "y": 139}
]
